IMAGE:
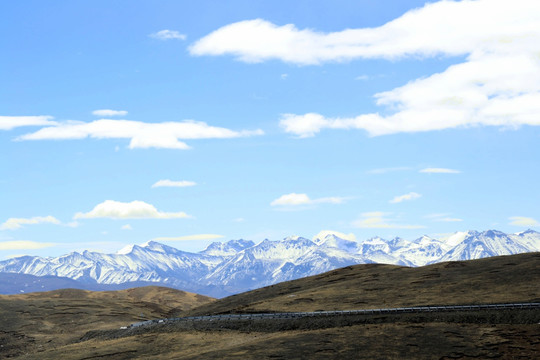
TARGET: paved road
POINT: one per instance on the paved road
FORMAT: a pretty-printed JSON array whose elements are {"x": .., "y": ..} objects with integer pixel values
[{"x": 296, "y": 315}]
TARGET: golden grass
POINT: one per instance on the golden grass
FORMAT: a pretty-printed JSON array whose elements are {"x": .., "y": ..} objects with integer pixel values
[{"x": 49, "y": 325}]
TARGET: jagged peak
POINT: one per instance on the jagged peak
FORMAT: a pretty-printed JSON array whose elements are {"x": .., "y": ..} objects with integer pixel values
[
  {"x": 526, "y": 232},
  {"x": 322, "y": 235},
  {"x": 493, "y": 233},
  {"x": 126, "y": 249}
]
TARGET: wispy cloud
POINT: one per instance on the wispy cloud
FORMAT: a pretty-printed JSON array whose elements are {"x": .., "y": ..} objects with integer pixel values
[
  {"x": 128, "y": 210},
  {"x": 498, "y": 83},
  {"x": 109, "y": 112},
  {"x": 379, "y": 220},
  {"x": 126, "y": 227},
  {"x": 170, "y": 183},
  {"x": 523, "y": 221},
  {"x": 439, "y": 171},
  {"x": 142, "y": 135},
  {"x": 190, "y": 237},
  {"x": 168, "y": 35},
  {"x": 23, "y": 245},
  {"x": 294, "y": 199},
  {"x": 17, "y": 223},
  {"x": 12, "y": 122},
  {"x": 405, "y": 197}
]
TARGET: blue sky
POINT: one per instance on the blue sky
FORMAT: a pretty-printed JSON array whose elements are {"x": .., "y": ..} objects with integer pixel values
[{"x": 191, "y": 122}]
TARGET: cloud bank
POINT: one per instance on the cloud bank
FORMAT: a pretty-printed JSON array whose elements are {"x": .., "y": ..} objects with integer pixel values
[
  {"x": 167, "y": 35},
  {"x": 165, "y": 135},
  {"x": 128, "y": 210},
  {"x": 294, "y": 199},
  {"x": 109, "y": 112},
  {"x": 12, "y": 122},
  {"x": 378, "y": 220},
  {"x": 17, "y": 223},
  {"x": 523, "y": 221},
  {"x": 23, "y": 245},
  {"x": 170, "y": 183},
  {"x": 498, "y": 84},
  {"x": 405, "y": 197}
]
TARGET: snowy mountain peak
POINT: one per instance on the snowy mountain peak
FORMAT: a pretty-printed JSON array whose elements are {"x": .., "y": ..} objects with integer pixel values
[
  {"x": 239, "y": 265},
  {"x": 155, "y": 246},
  {"x": 526, "y": 232},
  {"x": 457, "y": 237},
  {"x": 126, "y": 250},
  {"x": 322, "y": 236},
  {"x": 228, "y": 248},
  {"x": 424, "y": 240}
]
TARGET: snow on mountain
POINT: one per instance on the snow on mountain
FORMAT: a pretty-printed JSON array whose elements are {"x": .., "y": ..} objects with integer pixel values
[
  {"x": 529, "y": 239},
  {"x": 240, "y": 265},
  {"x": 478, "y": 245},
  {"x": 421, "y": 251},
  {"x": 254, "y": 267},
  {"x": 379, "y": 250},
  {"x": 228, "y": 248},
  {"x": 323, "y": 235}
]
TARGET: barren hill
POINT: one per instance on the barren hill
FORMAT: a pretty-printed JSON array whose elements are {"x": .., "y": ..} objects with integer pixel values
[
  {"x": 502, "y": 279},
  {"x": 28, "y": 322},
  {"x": 50, "y": 325}
]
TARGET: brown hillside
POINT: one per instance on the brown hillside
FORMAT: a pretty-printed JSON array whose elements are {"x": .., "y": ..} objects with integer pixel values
[
  {"x": 58, "y": 317},
  {"x": 502, "y": 279}
]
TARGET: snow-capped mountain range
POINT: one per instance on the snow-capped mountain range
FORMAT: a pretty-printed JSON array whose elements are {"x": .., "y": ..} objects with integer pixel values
[{"x": 240, "y": 265}]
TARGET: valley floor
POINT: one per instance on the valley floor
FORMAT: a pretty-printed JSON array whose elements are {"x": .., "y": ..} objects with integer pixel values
[{"x": 370, "y": 341}]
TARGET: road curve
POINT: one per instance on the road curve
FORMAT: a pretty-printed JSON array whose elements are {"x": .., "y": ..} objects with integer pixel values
[{"x": 296, "y": 315}]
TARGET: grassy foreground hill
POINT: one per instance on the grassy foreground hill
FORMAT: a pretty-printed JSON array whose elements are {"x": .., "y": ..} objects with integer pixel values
[
  {"x": 37, "y": 321},
  {"x": 501, "y": 279},
  {"x": 49, "y": 325}
]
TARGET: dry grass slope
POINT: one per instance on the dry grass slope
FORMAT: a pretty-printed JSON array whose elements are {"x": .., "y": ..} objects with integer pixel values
[
  {"x": 503, "y": 279},
  {"x": 34, "y": 321},
  {"x": 48, "y": 325}
]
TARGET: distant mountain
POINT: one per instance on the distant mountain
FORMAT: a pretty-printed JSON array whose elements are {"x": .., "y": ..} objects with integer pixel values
[
  {"x": 240, "y": 265},
  {"x": 13, "y": 283}
]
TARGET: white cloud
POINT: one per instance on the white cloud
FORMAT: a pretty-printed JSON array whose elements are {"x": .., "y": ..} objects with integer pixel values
[
  {"x": 294, "y": 199},
  {"x": 405, "y": 197},
  {"x": 378, "y": 220},
  {"x": 167, "y": 35},
  {"x": 449, "y": 219},
  {"x": 284, "y": 76},
  {"x": 170, "y": 183},
  {"x": 126, "y": 227},
  {"x": 498, "y": 83},
  {"x": 23, "y": 245},
  {"x": 444, "y": 27},
  {"x": 190, "y": 237},
  {"x": 128, "y": 210},
  {"x": 439, "y": 171},
  {"x": 11, "y": 122},
  {"x": 109, "y": 112},
  {"x": 141, "y": 134},
  {"x": 17, "y": 223},
  {"x": 523, "y": 221}
]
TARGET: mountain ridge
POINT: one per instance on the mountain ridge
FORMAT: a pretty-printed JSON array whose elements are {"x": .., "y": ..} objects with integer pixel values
[{"x": 226, "y": 268}]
